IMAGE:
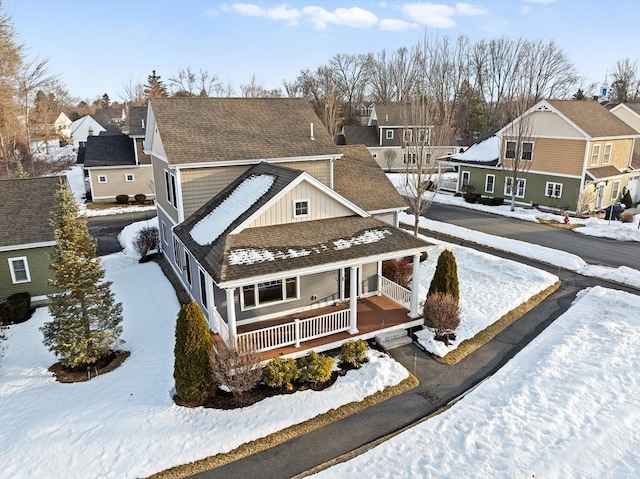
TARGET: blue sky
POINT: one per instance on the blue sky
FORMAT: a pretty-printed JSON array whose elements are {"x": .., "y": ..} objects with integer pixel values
[{"x": 96, "y": 46}]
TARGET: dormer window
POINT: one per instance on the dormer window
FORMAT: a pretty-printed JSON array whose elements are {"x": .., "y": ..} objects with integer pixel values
[
  {"x": 407, "y": 136},
  {"x": 389, "y": 134},
  {"x": 300, "y": 208}
]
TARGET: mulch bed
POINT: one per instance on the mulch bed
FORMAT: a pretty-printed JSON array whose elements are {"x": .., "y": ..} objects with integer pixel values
[{"x": 82, "y": 374}]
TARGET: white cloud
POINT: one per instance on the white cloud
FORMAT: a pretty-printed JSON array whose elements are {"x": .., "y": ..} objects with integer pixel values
[
  {"x": 393, "y": 25},
  {"x": 431, "y": 14},
  {"x": 349, "y": 17},
  {"x": 526, "y": 9},
  {"x": 279, "y": 12},
  {"x": 247, "y": 9},
  {"x": 468, "y": 9},
  {"x": 282, "y": 12},
  {"x": 540, "y": 1}
]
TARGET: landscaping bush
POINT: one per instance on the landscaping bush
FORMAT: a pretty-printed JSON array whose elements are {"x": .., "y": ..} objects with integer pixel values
[
  {"x": 147, "y": 239},
  {"x": 315, "y": 368},
  {"x": 485, "y": 200},
  {"x": 280, "y": 373},
  {"x": 445, "y": 278},
  {"x": 627, "y": 200},
  {"x": 442, "y": 314},
  {"x": 15, "y": 309},
  {"x": 193, "y": 344},
  {"x": 122, "y": 199},
  {"x": 471, "y": 197},
  {"x": 354, "y": 353},
  {"x": 140, "y": 198},
  {"x": 398, "y": 270},
  {"x": 498, "y": 201},
  {"x": 237, "y": 368}
]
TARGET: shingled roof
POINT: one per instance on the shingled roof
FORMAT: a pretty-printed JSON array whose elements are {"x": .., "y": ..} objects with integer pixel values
[
  {"x": 397, "y": 114},
  {"x": 26, "y": 208},
  {"x": 361, "y": 135},
  {"x": 594, "y": 119},
  {"x": 135, "y": 123},
  {"x": 195, "y": 130},
  {"x": 109, "y": 150},
  {"x": 360, "y": 179}
]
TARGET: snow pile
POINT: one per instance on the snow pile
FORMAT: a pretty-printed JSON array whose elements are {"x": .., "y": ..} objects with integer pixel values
[
  {"x": 124, "y": 423},
  {"x": 209, "y": 228},
  {"x": 622, "y": 274},
  {"x": 565, "y": 406},
  {"x": 504, "y": 284},
  {"x": 129, "y": 233}
]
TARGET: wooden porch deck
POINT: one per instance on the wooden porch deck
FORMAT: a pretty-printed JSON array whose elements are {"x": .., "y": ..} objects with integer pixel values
[{"x": 375, "y": 314}]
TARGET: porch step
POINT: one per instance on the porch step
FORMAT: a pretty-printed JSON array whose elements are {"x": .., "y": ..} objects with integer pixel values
[{"x": 393, "y": 339}]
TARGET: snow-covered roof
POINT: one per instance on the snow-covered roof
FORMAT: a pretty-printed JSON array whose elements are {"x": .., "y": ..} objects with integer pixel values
[{"x": 486, "y": 151}]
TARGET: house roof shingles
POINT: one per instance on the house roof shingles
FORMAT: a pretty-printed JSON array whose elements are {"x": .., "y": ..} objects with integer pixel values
[
  {"x": 196, "y": 130},
  {"x": 604, "y": 172},
  {"x": 25, "y": 212},
  {"x": 361, "y": 135},
  {"x": 594, "y": 119},
  {"x": 360, "y": 179},
  {"x": 135, "y": 121},
  {"x": 109, "y": 150}
]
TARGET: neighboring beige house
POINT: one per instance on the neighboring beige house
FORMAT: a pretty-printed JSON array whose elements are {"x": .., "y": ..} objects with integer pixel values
[
  {"x": 394, "y": 137},
  {"x": 572, "y": 149},
  {"x": 278, "y": 234},
  {"x": 630, "y": 114},
  {"x": 26, "y": 236},
  {"x": 52, "y": 126}
]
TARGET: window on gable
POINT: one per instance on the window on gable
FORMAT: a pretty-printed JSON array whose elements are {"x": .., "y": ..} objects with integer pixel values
[
  {"x": 102, "y": 178},
  {"x": 554, "y": 190},
  {"x": 301, "y": 208},
  {"x": 128, "y": 177},
  {"x": 606, "y": 155},
  {"x": 389, "y": 134},
  {"x": 407, "y": 135},
  {"x": 489, "y": 183},
  {"x": 595, "y": 153},
  {"x": 19, "y": 268},
  {"x": 276, "y": 291}
]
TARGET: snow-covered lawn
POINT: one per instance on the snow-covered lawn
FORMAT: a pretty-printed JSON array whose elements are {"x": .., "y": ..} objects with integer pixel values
[
  {"x": 124, "y": 424},
  {"x": 565, "y": 407},
  {"x": 562, "y": 259},
  {"x": 490, "y": 287},
  {"x": 616, "y": 230}
]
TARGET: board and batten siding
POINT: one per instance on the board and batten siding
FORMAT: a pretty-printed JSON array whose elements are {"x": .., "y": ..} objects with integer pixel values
[
  {"x": 630, "y": 118},
  {"x": 38, "y": 262},
  {"x": 554, "y": 156},
  {"x": 544, "y": 124},
  {"x": 143, "y": 180},
  {"x": 321, "y": 206}
]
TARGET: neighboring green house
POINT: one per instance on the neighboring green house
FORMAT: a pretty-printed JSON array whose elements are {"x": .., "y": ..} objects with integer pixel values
[{"x": 26, "y": 236}]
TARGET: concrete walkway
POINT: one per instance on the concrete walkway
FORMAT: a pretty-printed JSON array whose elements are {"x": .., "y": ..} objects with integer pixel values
[{"x": 439, "y": 385}]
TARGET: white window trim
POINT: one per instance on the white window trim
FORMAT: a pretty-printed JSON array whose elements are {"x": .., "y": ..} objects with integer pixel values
[
  {"x": 126, "y": 177},
  {"x": 270, "y": 303},
  {"x": 295, "y": 202},
  {"x": 462, "y": 176},
  {"x": 14, "y": 280},
  {"x": 597, "y": 155},
  {"x": 506, "y": 148},
  {"x": 486, "y": 184},
  {"x": 100, "y": 179},
  {"x": 176, "y": 252},
  {"x": 522, "y": 150},
  {"x": 165, "y": 233},
  {"x": 516, "y": 148},
  {"x": 188, "y": 272},
  {"x": 389, "y": 134},
  {"x": 167, "y": 186},
  {"x": 518, "y": 181},
  {"x": 546, "y": 189},
  {"x": 202, "y": 283},
  {"x": 615, "y": 187},
  {"x": 406, "y": 133},
  {"x": 606, "y": 156}
]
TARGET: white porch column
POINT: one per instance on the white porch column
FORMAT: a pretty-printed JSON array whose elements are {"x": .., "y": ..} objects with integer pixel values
[
  {"x": 231, "y": 317},
  {"x": 353, "y": 301},
  {"x": 415, "y": 283}
]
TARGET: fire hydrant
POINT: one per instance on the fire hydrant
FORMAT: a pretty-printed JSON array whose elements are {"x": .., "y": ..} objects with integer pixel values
[{"x": 566, "y": 218}]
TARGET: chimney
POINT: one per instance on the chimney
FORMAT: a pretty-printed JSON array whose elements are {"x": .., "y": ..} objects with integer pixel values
[{"x": 311, "y": 137}]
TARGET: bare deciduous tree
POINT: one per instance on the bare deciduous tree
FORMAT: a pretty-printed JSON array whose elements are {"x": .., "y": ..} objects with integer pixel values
[
  {"x": 442, "y": 314},
  {"x": 625, "y": 83},
  {"x": 237, "y": 368},
  {"x": 390, "y": 158}
]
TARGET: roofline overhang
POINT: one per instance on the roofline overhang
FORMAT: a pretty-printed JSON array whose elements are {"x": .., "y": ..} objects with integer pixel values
[
  {"x": 209, "y": 164},
  {"x": 128, "y": 165},
  {"x": 605, "y": 138},
  {"x": 18, "y": 247},
  {"x": 321, "y": 268},
  {"x": 601, "y": 178}
]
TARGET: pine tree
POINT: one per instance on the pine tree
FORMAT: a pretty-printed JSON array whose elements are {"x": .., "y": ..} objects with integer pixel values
[
  {"x": 445, "y": 279},
  {"x": 154, "y": 87},
  {"x": 193, "y": 344},
  {"x": 86, "y": 319}
]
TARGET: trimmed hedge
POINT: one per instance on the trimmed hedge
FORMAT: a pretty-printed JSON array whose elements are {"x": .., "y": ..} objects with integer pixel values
[
  {"x": 471, "y": 197},
  {"x": 122, "y": 199},
  {"x": 498, "y": 201},
  {"x": 15, "y": 309}
]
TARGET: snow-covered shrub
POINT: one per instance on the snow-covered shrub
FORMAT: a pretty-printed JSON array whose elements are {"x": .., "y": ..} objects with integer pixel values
[{"x": 147, "y": 239}]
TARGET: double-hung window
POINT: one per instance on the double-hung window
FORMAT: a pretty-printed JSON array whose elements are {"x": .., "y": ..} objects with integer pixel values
[
  {"x": 407, "y": 135},
  {"x": 595, "y": 153},
  {"x": 554, "y": 190},
  {"x": 269, "y": 292},
  {"x": 519, "y": 188},
  {"x": 489, "y": 184},
  {"x": 526, "y": 150},
  {"x": 606, "y": 155},
  {"x": 19, "y": 268},
  {"x": 615, "y": 189}
]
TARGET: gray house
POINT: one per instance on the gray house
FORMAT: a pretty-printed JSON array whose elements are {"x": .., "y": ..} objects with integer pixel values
[{"x": 26, "y": 236}]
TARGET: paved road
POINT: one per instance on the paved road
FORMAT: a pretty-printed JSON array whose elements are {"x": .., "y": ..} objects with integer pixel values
[
  {"x": 439, "y": 384},
  {"x": 106, "y": 229},
  {"x": 593, "y": 250}
]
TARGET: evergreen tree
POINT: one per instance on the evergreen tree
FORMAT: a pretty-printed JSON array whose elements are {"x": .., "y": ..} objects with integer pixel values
[
  {"x": 193, "y": 344},
  {"x": 445, "y": 279},
  {"x": 155, "y": 88},
  {"x": 86, "y": 319},
  {"x": 106, "y": 101}
]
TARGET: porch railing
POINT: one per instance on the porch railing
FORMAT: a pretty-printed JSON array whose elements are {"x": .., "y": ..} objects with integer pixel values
[
  {"x": 220, "y": 326},
  {"x": 394, "y": 291},
  {"x": 297, "y": 331}
]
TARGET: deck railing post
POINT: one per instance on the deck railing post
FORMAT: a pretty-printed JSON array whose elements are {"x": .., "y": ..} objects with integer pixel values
[{"x": 296, "y": 328}]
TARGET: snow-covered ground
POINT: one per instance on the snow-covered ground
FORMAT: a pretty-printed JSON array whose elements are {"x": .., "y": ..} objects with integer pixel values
[
  {"x": 562, "y": 259},
  {"x": 616, "y": 230},
  {"x": 124, "y": 424},
  {"x": 564, "y": 407},
  {"x": 505, "y": 285}
]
